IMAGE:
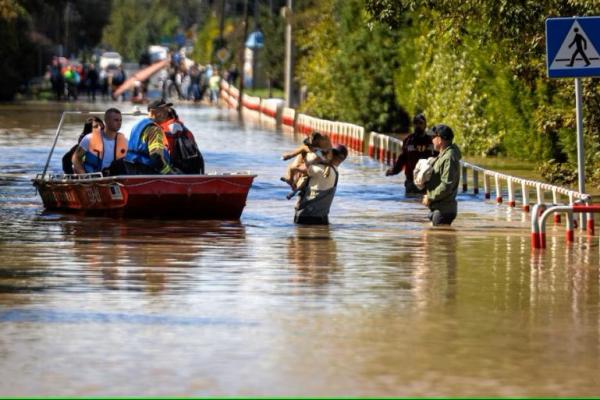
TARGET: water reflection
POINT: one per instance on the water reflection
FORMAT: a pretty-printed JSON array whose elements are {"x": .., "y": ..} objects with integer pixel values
[
  {"x": 375, "y": 304},
  {"x": 312, "y": 251},
  {"x": 153, "y": 255},
  {"x": 435, "y": 268}
]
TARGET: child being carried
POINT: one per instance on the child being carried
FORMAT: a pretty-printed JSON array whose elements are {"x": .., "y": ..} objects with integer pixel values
[{"x": 316, "y": 149}]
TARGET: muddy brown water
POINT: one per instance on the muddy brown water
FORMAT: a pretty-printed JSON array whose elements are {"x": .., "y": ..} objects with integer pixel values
[{"x": 376, "y": 304}]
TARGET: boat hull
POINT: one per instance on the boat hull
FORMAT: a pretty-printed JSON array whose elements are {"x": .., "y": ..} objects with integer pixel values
[{"x": 147, "y": 196}]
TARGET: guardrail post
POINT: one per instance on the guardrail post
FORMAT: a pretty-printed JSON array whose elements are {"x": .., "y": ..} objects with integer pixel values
[
  {"x": 571, "y": 202},
  {"x": 535, "y": 227},
  {"x": 464, "y": 178},
  {"x": 498, "y": 189},
  {"x": 590, "y": 222},
  {"x": 540, "y": 193},
  {"x": 511, "y": 193},
  {"x": 525, "y": 195},
  {"x": 570, "y": 227},
  {"x": 555, "y": 201},
  {"x": 475, "y": 181},
  {"x": 486, "y": 186},
  {"x": 541, "y": 226}
]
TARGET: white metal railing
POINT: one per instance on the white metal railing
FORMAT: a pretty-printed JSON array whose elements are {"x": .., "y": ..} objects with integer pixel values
[{"x": 510, "y": 181}]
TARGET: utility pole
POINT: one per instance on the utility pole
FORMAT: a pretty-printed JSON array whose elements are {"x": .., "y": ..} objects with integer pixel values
[
  {"x": 222, "y": 24},
  {"x": 243, "y": 58},
  {"x": 67, "y": 17},
  {"x": 287, "y": 14},
  {"x": 269, "y": 71},
  {"x": 255, "y": 50}
]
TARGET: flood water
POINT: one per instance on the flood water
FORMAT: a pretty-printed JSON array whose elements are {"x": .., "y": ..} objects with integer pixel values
[{"x": 376, "y": 304}]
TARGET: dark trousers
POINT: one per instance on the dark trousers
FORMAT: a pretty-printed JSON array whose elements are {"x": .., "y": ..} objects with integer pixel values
[
  {"x": 437, "y": 218},
  {"x": 309, "y": 220}
]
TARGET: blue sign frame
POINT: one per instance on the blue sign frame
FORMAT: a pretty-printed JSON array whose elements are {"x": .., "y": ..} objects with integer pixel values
[{"x": 557, "y": 30}]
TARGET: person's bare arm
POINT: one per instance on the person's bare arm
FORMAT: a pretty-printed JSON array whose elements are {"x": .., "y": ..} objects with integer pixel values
[
  {"x": 77, "y": 160},
  {"x": 299, "y": 150}
]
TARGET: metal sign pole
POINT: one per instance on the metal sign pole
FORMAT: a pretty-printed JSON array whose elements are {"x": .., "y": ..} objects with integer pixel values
[{"x": 580, "y": 150}]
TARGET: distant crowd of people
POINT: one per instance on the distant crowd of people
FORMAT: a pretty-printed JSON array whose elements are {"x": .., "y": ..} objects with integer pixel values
[
  {"x": 181, "y": 80},
  {"x": 195, "y": 82},
  {"x": 69, "y": 80}
]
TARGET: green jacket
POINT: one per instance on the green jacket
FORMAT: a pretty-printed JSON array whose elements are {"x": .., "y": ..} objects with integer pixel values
[{"x": 442, "y": 188}]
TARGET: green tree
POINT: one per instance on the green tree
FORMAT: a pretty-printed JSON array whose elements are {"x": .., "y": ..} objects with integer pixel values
[
  {"x": 17, "y": 50},
  {"x": 204, "y": 48},
  {"x": 136, "y": 24},
  {"x": 272, "y": 55},
  {"x": 349, "y": 68},
  {"x": 494, "y": 55}
]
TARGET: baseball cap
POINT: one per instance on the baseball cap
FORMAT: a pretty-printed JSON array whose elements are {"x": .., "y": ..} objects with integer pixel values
[
  {"x": 419, "y": 118},
  {"x": 159, "y": 104},
  {"x": 443, "y": 131}
]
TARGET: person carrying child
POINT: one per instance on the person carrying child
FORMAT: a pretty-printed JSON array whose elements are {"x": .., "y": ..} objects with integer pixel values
[
  {"x": 316, "y": 198},
  {"x": 315, "y": 149}
]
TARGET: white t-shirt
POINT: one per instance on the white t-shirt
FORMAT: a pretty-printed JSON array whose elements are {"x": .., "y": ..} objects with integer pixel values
[
  {"x": 318, "y": 182},
  {"x": 108, "y": 146}
]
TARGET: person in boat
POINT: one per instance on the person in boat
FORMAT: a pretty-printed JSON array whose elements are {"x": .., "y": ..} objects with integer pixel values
[
  {"x": 100, "y": 148},
  {"x": 148, "y": 151},
  {"x": 67, "y": 160},
  {"x": 183, "y": 150},
  {"x": 315, "y": 200}
]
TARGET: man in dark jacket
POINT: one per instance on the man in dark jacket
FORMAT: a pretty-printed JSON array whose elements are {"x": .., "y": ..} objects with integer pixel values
[
  {"x": 416, "y": 146},
  {"x": 442, "y": 187}
]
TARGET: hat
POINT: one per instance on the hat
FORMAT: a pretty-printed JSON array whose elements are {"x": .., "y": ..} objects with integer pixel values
[
  {"x": 340, "y": 150},
  {"x": 159, "y": 104},
  {"x": 419, "y": 117},
  {"x": 444, "y": 132}
]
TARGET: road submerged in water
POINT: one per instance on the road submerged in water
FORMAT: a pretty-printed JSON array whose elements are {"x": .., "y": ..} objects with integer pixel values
[{"x": 376, "y": 304}]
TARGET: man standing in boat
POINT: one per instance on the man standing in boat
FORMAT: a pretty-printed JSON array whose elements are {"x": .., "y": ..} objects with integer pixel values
[
  {"x": 148, "y": 151},
  {"x": 105, "y": 144}
]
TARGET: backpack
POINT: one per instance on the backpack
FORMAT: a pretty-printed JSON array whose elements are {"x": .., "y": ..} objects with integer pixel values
[{"x": 185, "y": 155}]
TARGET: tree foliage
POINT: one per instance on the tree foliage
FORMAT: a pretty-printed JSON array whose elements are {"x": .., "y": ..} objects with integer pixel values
[
  {"x": 477, "y": 65},
  {"x": 135, "y": 24},
  {"x": 348, "y": 68},
  {"x": 204, "y": 48},
  {"x": 32, "y": 30}
]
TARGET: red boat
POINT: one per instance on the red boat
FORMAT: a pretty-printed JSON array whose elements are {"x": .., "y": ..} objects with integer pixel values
[
  {"x": 219, "y": 196},
  {"x": 177, "y": 196}
]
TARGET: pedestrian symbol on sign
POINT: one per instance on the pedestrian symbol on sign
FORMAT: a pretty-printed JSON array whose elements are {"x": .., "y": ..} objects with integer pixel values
[
  {"x": 576, "y": 51},
  {"x": 581, "y": 45}
]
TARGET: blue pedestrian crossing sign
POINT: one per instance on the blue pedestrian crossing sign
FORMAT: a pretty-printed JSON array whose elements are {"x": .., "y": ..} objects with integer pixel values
[{"x": 571, "y": 47}]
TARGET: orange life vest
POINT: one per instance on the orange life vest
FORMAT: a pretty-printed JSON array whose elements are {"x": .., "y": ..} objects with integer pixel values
[
  {"x": 168, "y": 137},
  {"x": 95, "y": 154}
]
